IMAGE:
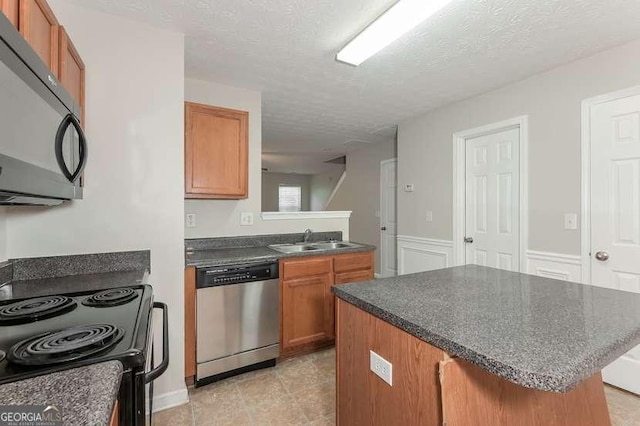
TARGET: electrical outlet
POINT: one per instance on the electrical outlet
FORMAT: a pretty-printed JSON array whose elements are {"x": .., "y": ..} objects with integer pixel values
[
  {"x": 246, "y": 219},
  {"x": 570, "y": 221},
  {"x": 191, "y": 220},
  {"x": 429, "y": 216},
  {"x": 408, "y": 187},
  {"x": 381, "y": 367}
]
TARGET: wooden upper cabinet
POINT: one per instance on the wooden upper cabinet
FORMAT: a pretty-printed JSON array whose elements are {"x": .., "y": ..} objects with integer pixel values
[
  {"x": 72, "y": 70},
  {"x": 216, "y": 152},
  {"x": 10, "y": 10},
  {"x": 39, "y": 26}
]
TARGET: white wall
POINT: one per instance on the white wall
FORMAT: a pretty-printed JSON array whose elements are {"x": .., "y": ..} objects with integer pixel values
[
  {"x": 134, "y": 177},
  {"x": 552, "y": 101},
  {"x": 322, "y": 186},
  {"x": 271, "y": 189},
  {"x": 216, "y": 218},
  {"x": 360, "y": 192}
]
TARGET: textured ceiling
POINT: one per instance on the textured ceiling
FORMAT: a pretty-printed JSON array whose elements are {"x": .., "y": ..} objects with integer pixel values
[
  {"x": 299, "y": 163},
  {"x": 311, "y": 103}
]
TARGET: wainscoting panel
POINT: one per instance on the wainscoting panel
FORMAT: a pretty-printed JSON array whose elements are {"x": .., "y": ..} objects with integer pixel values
[
  {"x": 558, "y": 266},
  {"x": 417, "y": 254}
]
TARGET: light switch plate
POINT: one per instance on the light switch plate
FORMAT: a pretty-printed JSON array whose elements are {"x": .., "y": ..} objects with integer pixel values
[
  {"x": 408, "y": 187},
  {"x": 246, "y": 219},
  {"x": 191, "y": 220},
  {"x": 570, "y": 221},
  {"x": 381, "y": 367}
]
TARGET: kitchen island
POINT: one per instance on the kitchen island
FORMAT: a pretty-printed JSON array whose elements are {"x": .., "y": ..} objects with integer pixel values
[{"x": 479, "y": 346}]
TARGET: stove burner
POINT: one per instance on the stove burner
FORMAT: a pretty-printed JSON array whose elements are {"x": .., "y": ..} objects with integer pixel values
[
  {"x": 111, "y": 297},
  {"x": 65, "y": 345},
  {"x": 35, "y": 309}
]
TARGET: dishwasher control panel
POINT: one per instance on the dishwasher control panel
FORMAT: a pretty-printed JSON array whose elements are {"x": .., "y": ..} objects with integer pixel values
[{"x": 235, "y": 274}]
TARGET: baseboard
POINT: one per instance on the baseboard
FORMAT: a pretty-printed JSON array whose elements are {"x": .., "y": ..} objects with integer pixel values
[{"x": 170, "y": 399}]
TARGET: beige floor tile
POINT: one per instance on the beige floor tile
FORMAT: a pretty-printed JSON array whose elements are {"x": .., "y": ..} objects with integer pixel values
[
  {"x": 317, "y": 402},
  {"x": 260, "y": 390},
  {"x": 236, "y": 418},
  {"x": 181, "y": 415},
  {"x": 622, "y": 405},
  {"x": 216, "y": 400},
  {"x": 326, "y": 366},
  {"x": 299, "y": 376},
  {"x": 634, "y": 420},
  {"x": 326, "y": 421},
  {"x": 282, "y": 412}
]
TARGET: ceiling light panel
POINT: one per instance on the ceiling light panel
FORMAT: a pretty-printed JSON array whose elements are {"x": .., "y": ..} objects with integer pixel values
[{"x": 401, "y": 18}]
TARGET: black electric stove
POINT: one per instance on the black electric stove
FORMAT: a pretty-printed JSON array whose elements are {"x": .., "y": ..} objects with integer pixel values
[{"x": 53, "y": 333}]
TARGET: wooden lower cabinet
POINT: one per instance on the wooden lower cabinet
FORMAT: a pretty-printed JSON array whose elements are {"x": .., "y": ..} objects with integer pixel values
[
  {"x": 430, "y": 387},
  {"x": 306, "y": 302}
]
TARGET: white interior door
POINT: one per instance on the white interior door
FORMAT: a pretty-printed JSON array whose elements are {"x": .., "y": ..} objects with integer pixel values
[
  {"x": 492, "y": 212},
  {"x": 388, "y": 233},
  {"x": 615, "y": 213}
]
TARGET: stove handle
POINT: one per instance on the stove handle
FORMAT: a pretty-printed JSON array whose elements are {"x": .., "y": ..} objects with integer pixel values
[{"x": 156, "y": 372}]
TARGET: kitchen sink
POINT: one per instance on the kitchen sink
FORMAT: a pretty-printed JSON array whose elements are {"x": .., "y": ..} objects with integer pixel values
[
  {"x": 302, "y": 247},
  {"x": 293, "y": 248}
]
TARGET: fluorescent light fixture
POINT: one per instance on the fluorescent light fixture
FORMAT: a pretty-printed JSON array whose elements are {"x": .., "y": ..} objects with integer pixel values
[{"x": 395, "y": 22}]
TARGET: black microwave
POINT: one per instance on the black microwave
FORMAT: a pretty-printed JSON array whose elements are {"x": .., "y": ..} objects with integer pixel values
[{"x": 43, "y": 149}]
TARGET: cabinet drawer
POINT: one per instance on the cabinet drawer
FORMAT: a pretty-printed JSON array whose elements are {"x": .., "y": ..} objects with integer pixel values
[
  {"x": 354, "y": 276},
  {"x": 307, "y": 267},
  {"x": 352, "y": 262}
]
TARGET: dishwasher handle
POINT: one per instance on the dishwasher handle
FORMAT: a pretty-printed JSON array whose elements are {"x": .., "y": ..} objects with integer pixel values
[{"x": 157, "y": 372}]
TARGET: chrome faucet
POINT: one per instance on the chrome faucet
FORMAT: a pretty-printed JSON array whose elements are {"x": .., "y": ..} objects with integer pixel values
[{"x": 307, "y": 235}]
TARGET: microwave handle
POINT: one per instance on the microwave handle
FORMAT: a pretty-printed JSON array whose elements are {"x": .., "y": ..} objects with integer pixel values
[
  {"x": 156, "y": 372},
  {"x": 70, "y": 120}
]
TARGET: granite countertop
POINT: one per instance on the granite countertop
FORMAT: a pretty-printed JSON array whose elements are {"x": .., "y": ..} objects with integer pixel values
[
  {"x": 72, "y": 284},
  {"x": 236, "y": 255},
  {"x": 536, "y": 332},
  {"x": 85, "y": 395}
]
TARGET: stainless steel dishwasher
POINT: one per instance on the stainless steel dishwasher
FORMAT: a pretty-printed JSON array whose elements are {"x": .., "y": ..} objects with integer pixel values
[{"x": 237, "y": 319}]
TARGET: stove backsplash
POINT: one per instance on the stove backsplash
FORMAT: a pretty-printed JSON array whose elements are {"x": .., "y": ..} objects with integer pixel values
[{"x": 63, "y": 266}]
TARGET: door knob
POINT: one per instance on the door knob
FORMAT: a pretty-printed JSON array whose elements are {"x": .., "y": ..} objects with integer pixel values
[
  {"x": 602, "y": 256},
  {"x": 384, "y": 228},
  {"x": 468, "y": 240}
]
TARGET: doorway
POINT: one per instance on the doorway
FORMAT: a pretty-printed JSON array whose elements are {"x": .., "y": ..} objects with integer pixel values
[
  {"x": 388, "y": 223},
  {"x": 611, "y": 207},
  {"x": 490, "y": 195}
]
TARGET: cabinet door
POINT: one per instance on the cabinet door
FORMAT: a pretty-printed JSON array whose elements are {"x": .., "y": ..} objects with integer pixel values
[
  {"x": 10, "y": 10},
  {"x": 354, "y": 276},
  {"x": 353, "y": 262},
  {"x": 304, "y": 311},
  {"x": 72, "y": 70},
  {"x": 216, "y": 152},
  {"x": 39, "y": 27}
]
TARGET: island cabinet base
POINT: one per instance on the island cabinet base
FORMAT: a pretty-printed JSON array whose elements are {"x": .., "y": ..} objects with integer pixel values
[{"x": 432, "y": 388}]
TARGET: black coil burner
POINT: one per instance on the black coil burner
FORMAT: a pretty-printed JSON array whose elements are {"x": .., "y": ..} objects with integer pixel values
[
  {"x": 65, "y": 345},
  {"x": 35, "y": 309},
  {"x": 111, "y": 297}
]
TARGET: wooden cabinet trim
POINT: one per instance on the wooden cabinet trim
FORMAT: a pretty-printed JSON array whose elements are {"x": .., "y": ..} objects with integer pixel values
[
  {"x": 353, "y": 276},
  {"x": 236, "y": 192},
  {"x": 189, "y": 322},
  {"x": 11, "y": 10},
  {"x": 27, "y": 9},
  {"x": 68, "y": 51},
  {"x": 115, "y": 414}
]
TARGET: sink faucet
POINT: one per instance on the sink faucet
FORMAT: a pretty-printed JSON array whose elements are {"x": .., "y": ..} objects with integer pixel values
[{"x": 307, "y": 235}]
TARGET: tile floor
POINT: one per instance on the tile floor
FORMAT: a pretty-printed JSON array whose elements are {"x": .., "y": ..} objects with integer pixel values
[{"x": 301, "y": 391}]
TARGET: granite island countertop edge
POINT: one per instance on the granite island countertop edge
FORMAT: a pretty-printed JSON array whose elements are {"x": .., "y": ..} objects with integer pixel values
[{"x": 530, "y": 379}]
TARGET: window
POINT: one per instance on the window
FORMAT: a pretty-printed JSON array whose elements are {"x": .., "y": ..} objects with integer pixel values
[{"x": 289, "y": 198}]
